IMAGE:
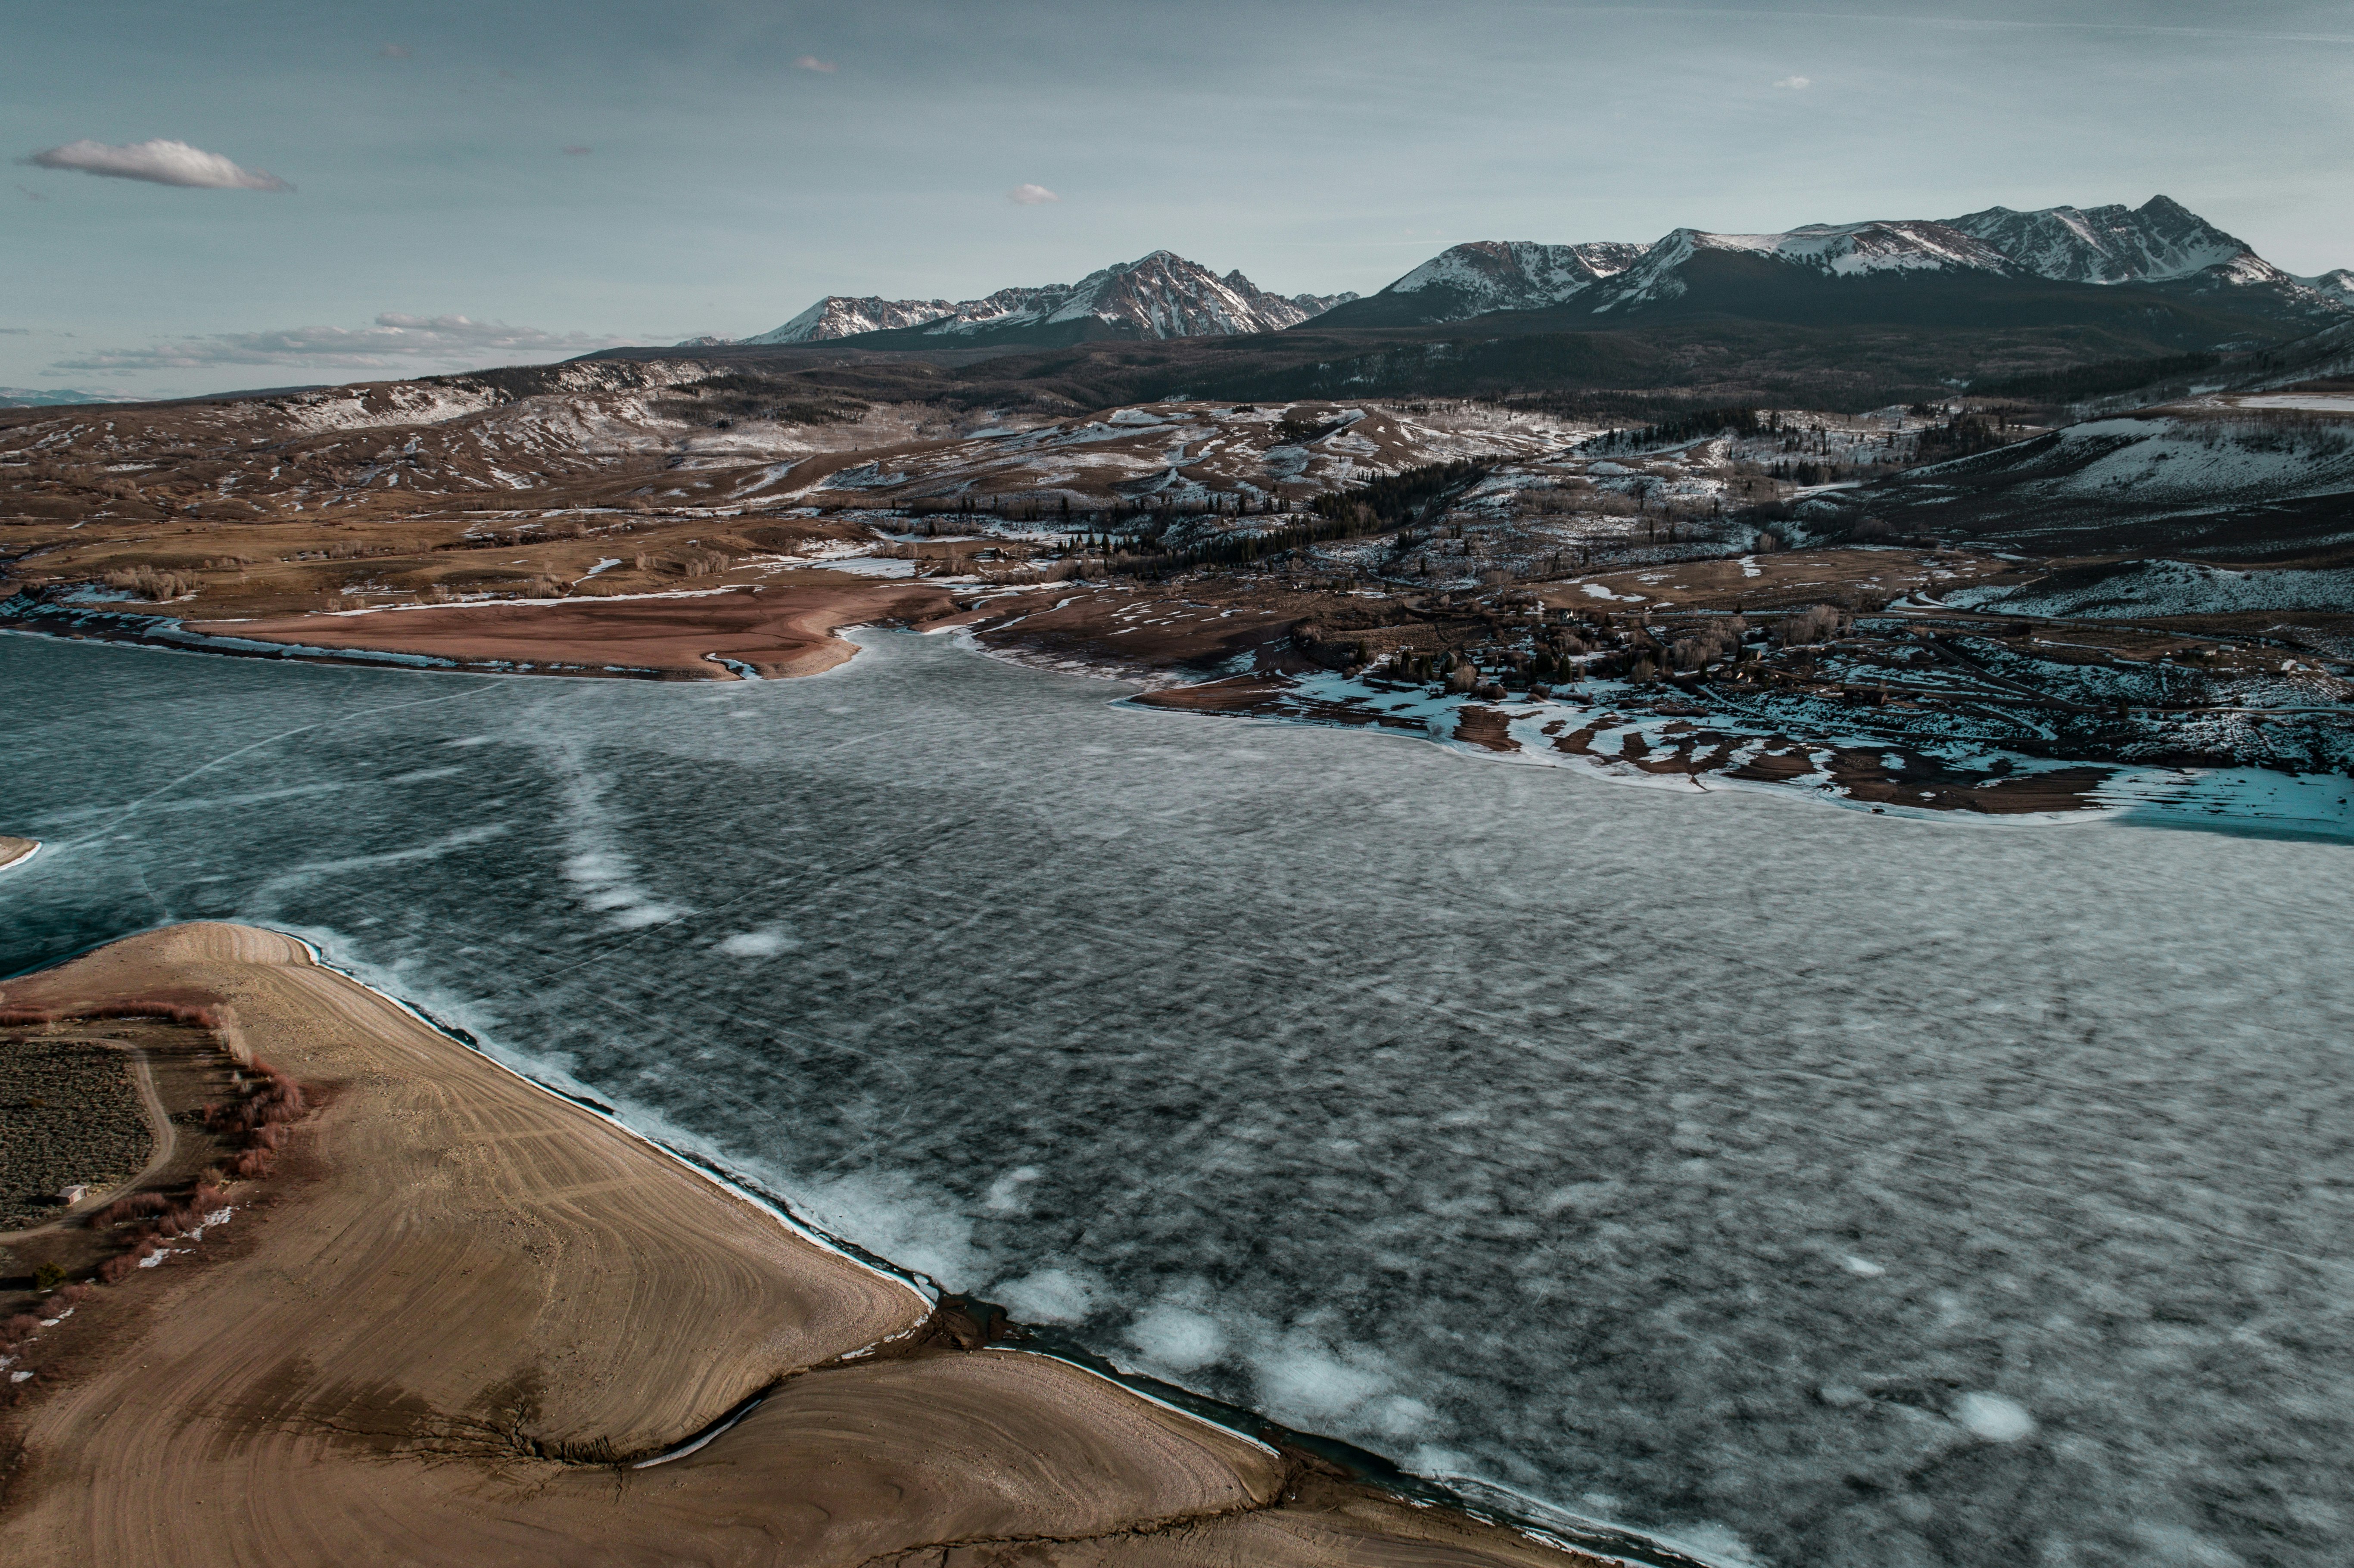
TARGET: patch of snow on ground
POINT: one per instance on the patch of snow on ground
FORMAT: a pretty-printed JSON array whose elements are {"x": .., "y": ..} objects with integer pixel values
[
  {"x": 2163, "y": 588},
  {"x": 863, "y": 566}
]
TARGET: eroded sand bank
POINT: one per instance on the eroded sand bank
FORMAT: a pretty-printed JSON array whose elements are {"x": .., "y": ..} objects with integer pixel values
[
  {"x": 776, "y": 631},
  {"x": 471, "y": 1303}
]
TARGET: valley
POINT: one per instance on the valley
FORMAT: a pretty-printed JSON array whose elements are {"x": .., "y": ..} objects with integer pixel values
[{"x": 1915, "y": 605}]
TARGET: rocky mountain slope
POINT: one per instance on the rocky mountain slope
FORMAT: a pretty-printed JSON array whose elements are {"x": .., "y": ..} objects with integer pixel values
[
  {"x": 2159, "y": 244},
  {"x": 1488, "y": 275},
  {"x": 2157, "y": 278},
  {"x": 1161, "y": 295}
]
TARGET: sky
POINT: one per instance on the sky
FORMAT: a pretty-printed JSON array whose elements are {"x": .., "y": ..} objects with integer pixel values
[{"x": 202, "y": 195}]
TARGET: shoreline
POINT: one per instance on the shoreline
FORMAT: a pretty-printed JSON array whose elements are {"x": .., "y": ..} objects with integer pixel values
[
  {"x": 15, "y": 852},
  {"x": 737, "y": 631},
  {"x": 1365, "y": 1467},
  {"x": 1668, "y": 751},
  {"x": 1110, "y": 1469},
  {"x": 1639, "y": 746}
]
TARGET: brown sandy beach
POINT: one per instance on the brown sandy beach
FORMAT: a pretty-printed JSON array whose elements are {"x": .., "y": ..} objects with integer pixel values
[
  {"x": 13, "y": 850},
  {"x": 464, "y": 1306},
  {"x": 779, "y": 629}
]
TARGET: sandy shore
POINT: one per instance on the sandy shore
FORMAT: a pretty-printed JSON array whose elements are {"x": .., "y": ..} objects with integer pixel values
[
  {"x": 774, "y": 629},
  {"x": 13, "y": 850},
  {"x": 470, "y": 1304},
  {"x": 779, "y": 629}
]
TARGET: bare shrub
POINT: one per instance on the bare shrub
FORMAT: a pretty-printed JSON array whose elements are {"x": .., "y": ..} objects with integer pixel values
[
  {"x": 115, "y": 1269},
  {"x": 132, "y": 1206},
  {"x": 151, "y": 584},
  {"x": 1699, "y": 650},
  {"x": 1816, "y": 623}
]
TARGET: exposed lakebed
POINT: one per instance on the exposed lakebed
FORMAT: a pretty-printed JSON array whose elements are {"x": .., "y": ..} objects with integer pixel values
[{"x": 1803, "y": 1185}]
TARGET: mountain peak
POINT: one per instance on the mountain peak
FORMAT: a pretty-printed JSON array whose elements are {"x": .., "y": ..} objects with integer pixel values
[
  {"x": 1483, "y": 275},
  {"x": 2157, "y": 242},
  {"x": 1160, "y": 294}
]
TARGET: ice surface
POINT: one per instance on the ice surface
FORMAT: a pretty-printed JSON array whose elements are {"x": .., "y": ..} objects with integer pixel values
[{"x": 1501, "y": 1117}]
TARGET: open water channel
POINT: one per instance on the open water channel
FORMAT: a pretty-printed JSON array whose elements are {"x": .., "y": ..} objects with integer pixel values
[{"x": 1807, "y": 1187}]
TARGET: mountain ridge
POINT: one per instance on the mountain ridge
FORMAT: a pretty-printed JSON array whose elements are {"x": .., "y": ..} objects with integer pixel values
[
  {"x": 2160, "y": 246},
  {"x": 1158, "y": 295},
  {"x": 2159, "y": 243}
]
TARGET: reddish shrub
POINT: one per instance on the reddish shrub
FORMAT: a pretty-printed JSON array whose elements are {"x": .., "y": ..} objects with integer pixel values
[
  {"x": 116, "y": 1269},
  {"x": 130, "y": 1207}
]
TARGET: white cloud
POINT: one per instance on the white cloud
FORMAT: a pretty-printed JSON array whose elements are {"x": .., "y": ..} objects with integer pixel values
[
  {"x": 810, "y": 62},
  {"x": 162, "y": 163},
  {"x": 1030, "y": 195},
  {"x": 410, "y": 344},
  {"x": 1795, "y": 84},
  {"x": 575, "y": 151}
]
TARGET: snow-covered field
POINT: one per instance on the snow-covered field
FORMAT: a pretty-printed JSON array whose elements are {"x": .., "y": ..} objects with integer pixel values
[{"x": 2153, "y": 589}]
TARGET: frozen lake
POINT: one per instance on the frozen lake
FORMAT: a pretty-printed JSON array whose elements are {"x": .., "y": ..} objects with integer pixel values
[{"x": 1804, "y": 1186}]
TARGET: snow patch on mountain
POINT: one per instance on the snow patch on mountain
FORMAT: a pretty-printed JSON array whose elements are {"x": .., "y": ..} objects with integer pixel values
[
  {"x": 1158, "y": 296},
  {"x": 2168, "y": 587},
  {"x": 2162, "y": 460},
  {"x": 2156, "y": 242},
  {"x": 838, "y": 315},
  {"x": 1515, "y": 274},
  {"x": 1833, "y": 250}
]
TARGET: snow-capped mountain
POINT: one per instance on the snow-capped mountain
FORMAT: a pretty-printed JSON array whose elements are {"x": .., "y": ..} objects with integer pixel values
[
  {"x": 42, "y": 397},
  {"x": 2158, "y": 241},
  {"x": 1159, "y": 296},
  {"x": 838, "y": 315},
  {"x": 1977, "y": 269},
  {"x": 1826, "y": 249},
  {"x": 1486, "y": 275}
]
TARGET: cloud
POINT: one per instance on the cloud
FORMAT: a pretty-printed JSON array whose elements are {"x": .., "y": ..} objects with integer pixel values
[
  {"x": 159, "y": 162},
  {"x": 810, "y": 62},
  {"x": 407, "y": 344},
  {"x": 577, "y": 152},
  {"x": 392, "y": 52},
  {"x": 16, "y": 332},
  {"x": 32, "y": 195},
  {"x": 1795, "y": 84},
  {"x": 1031, "y": 196}
]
